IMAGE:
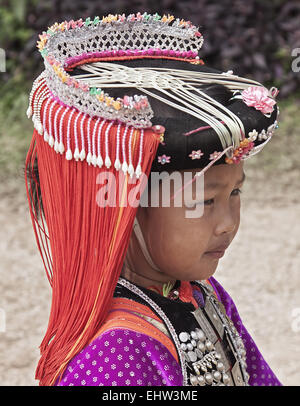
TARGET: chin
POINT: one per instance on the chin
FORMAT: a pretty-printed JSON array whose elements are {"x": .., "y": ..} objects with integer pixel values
[
  {"x": 205, "y": 272},
  {"x": 198, "y": 274},
  {"x": 201, "y": 270}
]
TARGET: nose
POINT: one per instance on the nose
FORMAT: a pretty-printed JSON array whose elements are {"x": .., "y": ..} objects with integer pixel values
[{"x": 228, "y": 219}]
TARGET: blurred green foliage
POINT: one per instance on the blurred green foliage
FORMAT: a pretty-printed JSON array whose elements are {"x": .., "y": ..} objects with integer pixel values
[
  {"x": 14, "y": 35},
  {"x": 254, "y": 38}
]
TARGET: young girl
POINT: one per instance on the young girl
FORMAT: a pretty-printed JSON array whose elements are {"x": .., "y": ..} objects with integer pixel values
[{"x": 134, "y": 302}]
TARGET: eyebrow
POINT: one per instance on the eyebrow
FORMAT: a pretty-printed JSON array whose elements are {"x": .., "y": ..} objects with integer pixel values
[{"x": 216, "y": 185}]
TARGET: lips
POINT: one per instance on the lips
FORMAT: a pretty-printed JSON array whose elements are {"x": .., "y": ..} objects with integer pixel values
[
  {"x": 220, "y": 248},
  {"x": 217, "y": 252}
]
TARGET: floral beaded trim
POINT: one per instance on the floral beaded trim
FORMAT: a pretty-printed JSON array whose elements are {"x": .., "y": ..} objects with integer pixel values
[
  {"x": 246, "y": 148},
  {"x": 113, "y": 36},
  {"x": 85, "y": 137}
]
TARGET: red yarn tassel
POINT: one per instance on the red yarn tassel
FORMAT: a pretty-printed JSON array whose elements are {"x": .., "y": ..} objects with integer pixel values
[{"x": 88, "y": 245}]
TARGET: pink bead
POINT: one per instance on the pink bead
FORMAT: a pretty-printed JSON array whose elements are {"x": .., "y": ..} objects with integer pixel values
[
  {"x": 158, "y": 129},
  {"x": 150, "y": 51},
  {"x": 126, "y": 100},
  {"x": 84, "y": 87},
  {"x": 143, "y": 103},
  {"x": 172, "y": 53}
]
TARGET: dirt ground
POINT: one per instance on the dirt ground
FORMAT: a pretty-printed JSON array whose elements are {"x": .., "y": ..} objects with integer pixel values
[{"x": 260, "y": 270}]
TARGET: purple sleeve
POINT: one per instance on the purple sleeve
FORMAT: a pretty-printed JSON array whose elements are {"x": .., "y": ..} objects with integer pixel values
[
  {"x": 258, "y": 369},
  {"x": 122, "y": 357}
]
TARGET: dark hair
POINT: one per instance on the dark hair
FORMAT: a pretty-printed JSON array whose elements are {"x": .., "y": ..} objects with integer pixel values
[
  {"x": 33, "y": 180},
  {"x": 177, "y": 121},
  {"x": 218, "y": 92}
]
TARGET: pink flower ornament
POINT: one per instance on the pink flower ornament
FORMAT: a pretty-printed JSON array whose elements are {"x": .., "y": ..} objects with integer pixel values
[
  {"x": 214, "y": 155},
  {"x": 164, "y": 159},
  {"x": 196, "y": 154},
  {"x": 259, "y": 98}
]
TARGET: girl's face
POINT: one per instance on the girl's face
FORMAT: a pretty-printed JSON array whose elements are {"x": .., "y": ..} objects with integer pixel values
[{"x": 180, "y": 246}]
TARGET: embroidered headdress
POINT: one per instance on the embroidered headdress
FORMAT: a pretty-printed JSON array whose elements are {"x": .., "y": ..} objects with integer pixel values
[{"x": 121, "y": 95}]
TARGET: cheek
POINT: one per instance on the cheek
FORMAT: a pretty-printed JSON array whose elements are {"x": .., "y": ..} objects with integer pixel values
[
  {"x": 237, "y": 214},
  {"x": 178, "y": 243}
]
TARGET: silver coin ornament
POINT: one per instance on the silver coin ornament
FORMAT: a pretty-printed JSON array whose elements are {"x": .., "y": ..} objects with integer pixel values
[
  {"x": 201, "y": 352},
  {"x": 204, "y": 354}
]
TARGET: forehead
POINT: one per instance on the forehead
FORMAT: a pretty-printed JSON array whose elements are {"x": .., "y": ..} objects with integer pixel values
[
  {"x": 222, "y": 175},
  {"x": 216, "y": 177}
]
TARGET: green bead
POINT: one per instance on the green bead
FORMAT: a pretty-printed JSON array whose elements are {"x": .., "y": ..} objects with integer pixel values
[{"x": 95, "y": 90}]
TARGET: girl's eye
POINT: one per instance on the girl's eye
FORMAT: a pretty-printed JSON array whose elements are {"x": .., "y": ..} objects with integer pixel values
[
  {"x": 238, "y": 191},
  {"x": 209, "y": 202},
  {"x": 235, "y": 192}
]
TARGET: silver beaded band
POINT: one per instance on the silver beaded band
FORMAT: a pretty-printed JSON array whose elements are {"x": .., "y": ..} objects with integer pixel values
[{"x": 164, "y": 317}]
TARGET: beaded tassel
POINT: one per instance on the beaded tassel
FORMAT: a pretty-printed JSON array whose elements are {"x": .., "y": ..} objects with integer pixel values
[
  {"x": 89, "y": 155},
  {"x": 94, "y": 156},
  {"x": 51, "y": 138},
  {"x": 69, "y": 152},
  {"x": 107, "y": 159},
  {"x": 124, "y": 164},
  {"x": 99, "y": 158},
  {"x": 117, "y": 164},
  {"x": 138, "y": 170},
  {"x": 130, "y": 167},
  {"x": 59, "y": 124},
  {"x": 82, "y": 153},
  {"x": 46, "y": 134},
  {"x": 56, "y": 144},
  {"x": 41, "y": 95},
  {"x": 76, "y": 152},
  {"x": 36, "y": 85},
  {"x": 61, "y": 147}
]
